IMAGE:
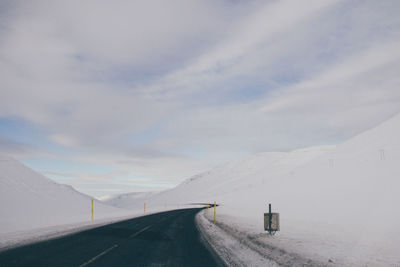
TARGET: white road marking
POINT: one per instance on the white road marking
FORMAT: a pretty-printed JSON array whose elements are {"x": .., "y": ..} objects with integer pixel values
[
  {"x": 144, "y": 229},
  {"x": 111, "y": 248},
  {"x": 98, "y": 256}
]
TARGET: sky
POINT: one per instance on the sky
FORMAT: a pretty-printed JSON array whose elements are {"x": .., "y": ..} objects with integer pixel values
[{"x": 125, "y": 96}]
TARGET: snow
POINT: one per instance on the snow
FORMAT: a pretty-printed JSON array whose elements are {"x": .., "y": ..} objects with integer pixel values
[
  {"x": 19, "y": 238},
  {"x": 337, "y": 204},
  {"x": 30, "y": 202},
  {"x": 125, "y": 200}
]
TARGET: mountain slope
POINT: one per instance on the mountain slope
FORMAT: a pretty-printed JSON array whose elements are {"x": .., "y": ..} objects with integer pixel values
[
  {"x": 30, "y": 200},
  {"x": 333, "y": 183}
]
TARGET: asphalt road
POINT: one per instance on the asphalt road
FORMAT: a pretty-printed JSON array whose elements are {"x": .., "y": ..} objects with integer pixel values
[{"x": 162, "y": 239}]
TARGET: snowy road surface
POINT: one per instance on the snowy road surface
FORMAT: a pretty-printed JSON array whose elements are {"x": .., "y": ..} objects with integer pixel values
[{"x": 162, "y": 239}]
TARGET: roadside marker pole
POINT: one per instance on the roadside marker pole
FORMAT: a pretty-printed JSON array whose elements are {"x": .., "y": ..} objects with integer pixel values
[
  {"x": 92, "y": 209},
  {"x": 270, "y": 219},
  {"x": 215, "y": 210},
  {"x": 207, "y": 206}
]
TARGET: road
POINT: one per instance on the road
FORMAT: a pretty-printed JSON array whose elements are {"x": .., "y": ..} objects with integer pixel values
[{"x": 162, "y": 239}]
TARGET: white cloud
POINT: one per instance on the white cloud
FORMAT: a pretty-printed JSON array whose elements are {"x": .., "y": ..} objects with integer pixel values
[
  {"x": 354, "y": 94},
  {"x": 166, "y": 89}
]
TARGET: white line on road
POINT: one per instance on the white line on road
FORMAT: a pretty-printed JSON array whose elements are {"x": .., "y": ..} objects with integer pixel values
[
  {"x": 111, "y": 248},
  {"x": 98, "y": 256},
  {"x": 144, "y": 229}
]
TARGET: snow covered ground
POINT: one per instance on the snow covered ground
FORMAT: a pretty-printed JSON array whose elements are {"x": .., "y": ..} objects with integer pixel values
[
  {"x": 338, "y": 205},
  {"x": 35, "y": 207}
]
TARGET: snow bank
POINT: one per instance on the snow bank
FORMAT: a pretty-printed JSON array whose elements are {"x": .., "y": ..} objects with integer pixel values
[{"x": 30, "y": 201}]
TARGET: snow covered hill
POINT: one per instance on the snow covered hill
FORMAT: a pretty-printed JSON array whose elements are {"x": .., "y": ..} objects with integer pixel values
[
  {"x": 230, "y": 182},
  {"x": 346, "y": 182},
  {"x": 336, "y": 203},
  {"x": 29, "y": 200}
]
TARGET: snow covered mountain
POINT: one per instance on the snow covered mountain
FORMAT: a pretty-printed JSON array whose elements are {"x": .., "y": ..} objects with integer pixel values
[
  {"x": 30, "y": 200},
  {"x": 349, "y": 182}
]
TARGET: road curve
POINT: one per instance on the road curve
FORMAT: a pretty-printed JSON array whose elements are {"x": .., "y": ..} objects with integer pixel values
[{"x": 162, "y": 239}]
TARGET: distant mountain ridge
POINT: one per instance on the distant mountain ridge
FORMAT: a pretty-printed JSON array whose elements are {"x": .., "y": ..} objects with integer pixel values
[{"x": 126, "y": 200}]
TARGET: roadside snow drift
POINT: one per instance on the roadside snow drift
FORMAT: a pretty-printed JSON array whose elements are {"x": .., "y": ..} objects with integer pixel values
[{"x": 30, "y": 200}]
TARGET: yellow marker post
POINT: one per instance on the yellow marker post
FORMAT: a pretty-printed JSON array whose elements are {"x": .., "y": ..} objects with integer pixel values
[
  {"x": 92, "y": 209},
  {"x": 215, "y": 210},
  {"x": 144, "y": 208}
]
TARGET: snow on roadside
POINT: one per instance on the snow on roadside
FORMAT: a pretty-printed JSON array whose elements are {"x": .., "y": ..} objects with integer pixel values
[
  {"x": 231, "y": 250},
  {"x": 20, "y": 238},
  {"x": 241, "y": 243},
  {"x": 240, "y": 247}
]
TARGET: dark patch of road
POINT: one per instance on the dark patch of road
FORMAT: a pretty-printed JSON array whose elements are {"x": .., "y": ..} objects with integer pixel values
[{"x": 162, "y": 239}]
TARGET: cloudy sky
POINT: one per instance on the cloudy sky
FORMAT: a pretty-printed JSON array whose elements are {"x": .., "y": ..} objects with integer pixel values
[{"x": 118, "y": 96}]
